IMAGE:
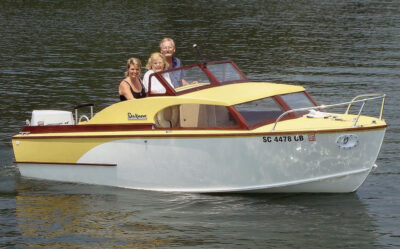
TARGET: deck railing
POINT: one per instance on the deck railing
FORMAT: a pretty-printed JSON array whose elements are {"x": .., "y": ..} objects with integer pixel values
[
  {"x": 354, "y": 100},
  {"x": 83, "y": 116}
]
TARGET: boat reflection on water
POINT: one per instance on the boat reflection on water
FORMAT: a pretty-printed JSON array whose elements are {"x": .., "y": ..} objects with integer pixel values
[
  {"x": 79, "y": 220},
  {"x": 51, "y": 214}
]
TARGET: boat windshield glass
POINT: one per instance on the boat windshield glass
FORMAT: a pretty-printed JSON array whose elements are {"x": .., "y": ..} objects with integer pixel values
[
  {"x": 225, "y": 73},
  {"x": 199, "y": 75},
  {"x": 260, "y": 111},
  {"x": 183, "y": 79},
  {"x": 297, "y": 100}
]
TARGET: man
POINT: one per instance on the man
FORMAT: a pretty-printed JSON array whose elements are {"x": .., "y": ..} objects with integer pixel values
[{"x": 167, "y": 48}]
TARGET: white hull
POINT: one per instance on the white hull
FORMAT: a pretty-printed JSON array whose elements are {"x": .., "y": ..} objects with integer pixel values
[{"x": 223, "y": 164}]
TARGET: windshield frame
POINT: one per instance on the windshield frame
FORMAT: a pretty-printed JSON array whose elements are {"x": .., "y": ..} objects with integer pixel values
[{"x": 213, "y": 80}]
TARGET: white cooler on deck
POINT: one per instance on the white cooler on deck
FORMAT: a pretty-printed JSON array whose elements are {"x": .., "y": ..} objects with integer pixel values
[{"x": 51, "y": 117}]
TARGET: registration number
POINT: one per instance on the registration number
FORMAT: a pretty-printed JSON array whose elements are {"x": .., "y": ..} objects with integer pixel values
[{"x": 283, "y": 139}]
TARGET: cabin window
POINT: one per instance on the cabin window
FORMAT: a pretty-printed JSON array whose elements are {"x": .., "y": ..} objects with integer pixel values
[
  {"x": 297, "y": 100},
  {"x": 260, "y": 110},
  {"x": 194, "y": 116}
]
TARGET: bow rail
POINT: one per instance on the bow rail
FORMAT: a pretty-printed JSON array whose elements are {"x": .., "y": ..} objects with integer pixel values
[{"x": 354, "y": 100}]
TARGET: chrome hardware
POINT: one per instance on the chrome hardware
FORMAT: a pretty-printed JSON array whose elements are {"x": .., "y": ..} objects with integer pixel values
[
  {"x": 80, "y": 106},
  {"x": 373, "y": 96}
]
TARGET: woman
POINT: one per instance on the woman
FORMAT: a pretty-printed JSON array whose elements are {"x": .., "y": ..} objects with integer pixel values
[
  {"x": 156, "y": 63},
  {"x": 132, "y": 87}
]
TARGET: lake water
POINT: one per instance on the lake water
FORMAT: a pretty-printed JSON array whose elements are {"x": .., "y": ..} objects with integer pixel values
[{"x": 57, "y": 54}]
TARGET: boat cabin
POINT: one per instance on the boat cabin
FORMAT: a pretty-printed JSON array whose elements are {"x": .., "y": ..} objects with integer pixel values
[{"x": 217, "y": 96}]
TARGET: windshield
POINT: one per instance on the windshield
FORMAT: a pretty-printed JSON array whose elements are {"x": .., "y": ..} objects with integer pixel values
[
  {"x": 225, "y": 73},
  {"x": 200, "y": 75},
  {"x": 297, "y": 100},
  {"x": 268, "y": 109},
  {"x": 183, "y": 79},
  {"x": 260, "y": 110}
]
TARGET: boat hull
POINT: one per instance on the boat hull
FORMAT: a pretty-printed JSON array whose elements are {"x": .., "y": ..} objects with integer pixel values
[{"x": 271, "y": 163}]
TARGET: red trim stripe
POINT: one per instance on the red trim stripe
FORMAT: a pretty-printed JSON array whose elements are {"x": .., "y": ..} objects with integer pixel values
[
  {"x": 86, "y": 128},
  {"x": 74, "y": 164},
  {"x": 169, "y": 135}
]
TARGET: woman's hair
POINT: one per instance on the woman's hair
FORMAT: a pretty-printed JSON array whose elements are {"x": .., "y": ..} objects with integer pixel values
[
  {"x": 155, "y": 55},
  {"x": 132, "y": 62}
]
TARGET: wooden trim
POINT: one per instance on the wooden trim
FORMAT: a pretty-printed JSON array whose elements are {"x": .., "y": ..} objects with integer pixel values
[
  {"x": 239, "y": 118},
  {"x": 248, "y": 134},
  {"x": 73, "y": 164},
  {"x": 168, "y": 89},
  {"x": 311, "y": 98},
  {"x": 86, "y": 128},
  {"x": 201, "y": 128},
  {"x": 239, "y": 70},
  {"x": 281, "y": 102},
  {"x": 213, "y": 80}
]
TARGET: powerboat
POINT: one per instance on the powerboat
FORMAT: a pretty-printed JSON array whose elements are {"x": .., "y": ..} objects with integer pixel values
[{"x": 211, "y": 131}]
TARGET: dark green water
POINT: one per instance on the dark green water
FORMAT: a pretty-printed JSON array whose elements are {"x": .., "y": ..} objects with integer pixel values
[{"x": 57, "y": 54}]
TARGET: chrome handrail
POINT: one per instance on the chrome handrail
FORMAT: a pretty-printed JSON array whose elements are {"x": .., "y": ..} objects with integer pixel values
[
  {"x": 354, "y": 100},
  {"x": 369, "y": 95},
  {"x": 80, "y": 106}
]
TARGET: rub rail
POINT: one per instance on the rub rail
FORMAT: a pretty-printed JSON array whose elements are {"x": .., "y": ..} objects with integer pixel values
[{"x": 354, "y": 100}]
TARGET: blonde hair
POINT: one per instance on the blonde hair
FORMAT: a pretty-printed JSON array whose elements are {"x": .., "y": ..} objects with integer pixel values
[
  {"x": 132, "y": 62},
  {"x": 153, "y": 56},
  {"x": 167, "y": 39}
]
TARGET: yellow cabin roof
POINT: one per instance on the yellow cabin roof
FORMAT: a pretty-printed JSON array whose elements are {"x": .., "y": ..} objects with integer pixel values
[
  {"x": 243, "y": 92},
  {"x": 227, "y": 95}
]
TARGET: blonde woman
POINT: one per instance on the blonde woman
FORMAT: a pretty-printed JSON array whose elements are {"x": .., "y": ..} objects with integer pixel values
[
  {"x": 132, "y": 87},
  {"x": 156, "y": 63}
]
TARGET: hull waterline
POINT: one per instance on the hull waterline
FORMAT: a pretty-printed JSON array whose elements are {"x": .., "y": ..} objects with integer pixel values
[{"x": 307, "y": 163}]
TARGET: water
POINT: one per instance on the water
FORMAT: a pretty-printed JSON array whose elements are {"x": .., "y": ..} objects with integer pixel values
[{"x": 57, "y": 54}]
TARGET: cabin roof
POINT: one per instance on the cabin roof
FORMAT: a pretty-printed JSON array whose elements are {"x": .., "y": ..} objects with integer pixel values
[
  {"x": 226, "y": 95},
  {"x": 232, "y": 94}
]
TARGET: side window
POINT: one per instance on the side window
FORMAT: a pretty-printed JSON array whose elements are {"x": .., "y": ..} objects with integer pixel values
[
  {"x": 167, "y": 117},
  {"x": 297, "y": 100},
  {"x": 259, "y": 111},
  {"x": 194, "y": 116}
]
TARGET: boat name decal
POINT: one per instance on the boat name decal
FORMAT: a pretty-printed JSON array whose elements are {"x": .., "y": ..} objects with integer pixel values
[
  {"x": 137, "y": 116},
  {"x": 297, "y": 138}
]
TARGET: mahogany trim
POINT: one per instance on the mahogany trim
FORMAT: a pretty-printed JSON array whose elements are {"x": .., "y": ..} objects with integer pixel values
[
  {"x": 248, "y": 134},
  {"x": 213, "y": 80},
  {"x": 203, "y": 66},
  {"x": 86, "y": 128},
  {"x": 239, "y": 70},
  {"x": 168, "y": 89},
  {"x": 209, "y": 128},
  {"x": 311, "y": 98},
  {"x": 77, "y": 164},
  {"x": 281, "y": 102},
  {"x": 239, "y": 118}
]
